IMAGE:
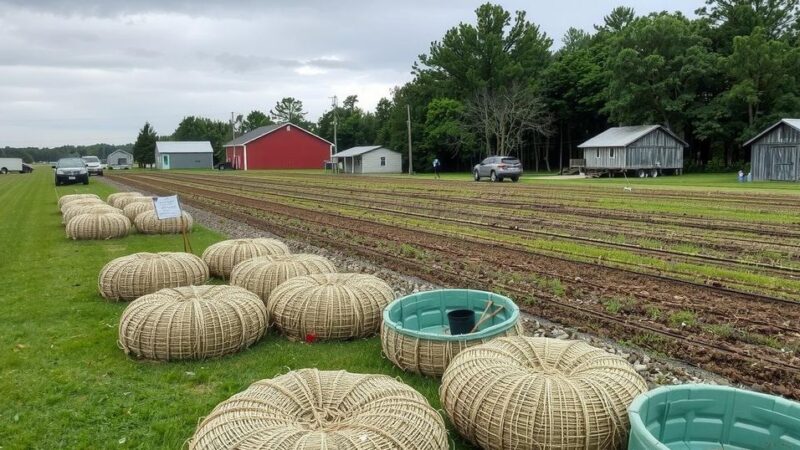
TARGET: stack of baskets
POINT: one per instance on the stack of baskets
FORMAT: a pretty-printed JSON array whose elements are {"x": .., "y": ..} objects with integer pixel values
[{"x": 86, "y": 216}]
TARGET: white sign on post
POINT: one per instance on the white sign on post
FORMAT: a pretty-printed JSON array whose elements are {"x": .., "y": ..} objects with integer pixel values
[{"x": 167, "y": 207}]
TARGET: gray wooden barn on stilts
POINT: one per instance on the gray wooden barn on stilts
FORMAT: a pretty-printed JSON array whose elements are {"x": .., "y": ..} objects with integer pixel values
[
  {"x": 647, "y": 150},
  {"x": 775, "y": 152}
]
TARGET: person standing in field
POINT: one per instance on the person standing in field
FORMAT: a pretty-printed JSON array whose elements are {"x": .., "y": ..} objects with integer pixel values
[{"x": 436, "y": 166}]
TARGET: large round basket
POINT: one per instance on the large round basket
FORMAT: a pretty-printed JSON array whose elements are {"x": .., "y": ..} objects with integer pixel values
[
  {"x": 112, "y": 199},
  {"x": 98, "y": 226},
  {"x": 701, "y": 416},
  {"x": 101, "y": 208},
  {"x": 80, "y": 203},
  {"x": 134, "y": 209},
  {"x": 264, "y": 273},
  {"x": 192, "y": 322},
  {"x": 149, "y": 223},
  {"x": 415, "y": 334},
  {"x": 64, "y": 199},
  {"x": 313, "y": 410},
  {"x": 329, "y": 306},
  {"x": 223, "y": 256},
  {"x": 536, "y": 393},
  {"x": 122, "y": 202},
  {"x": 130, "y": 277}
]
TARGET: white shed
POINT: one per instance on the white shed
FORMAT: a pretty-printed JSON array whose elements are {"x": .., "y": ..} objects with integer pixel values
[{"x": 369, "y": 159}]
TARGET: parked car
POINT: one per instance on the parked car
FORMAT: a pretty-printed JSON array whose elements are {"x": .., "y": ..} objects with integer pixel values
[
  {"x": 26, "y": 168},
  {"x": 71, "y": 170},
  {"x": 93, "y": 165},
  {"x": 225, "y": 165},
  {"x": 496, "y": 168}
]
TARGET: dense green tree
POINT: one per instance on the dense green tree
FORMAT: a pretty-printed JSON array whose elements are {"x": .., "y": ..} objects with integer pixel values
[
  {"x": 445, "y": 130},
  {"x": 254, "y": 120},
  {"x": 288, "y": 109},
  {"x": 493, "y": 53},
  {"x": 144, "y": 149},
  {"x": 656, "y": 64},
  {"x": 194, "y": 128},
  {"x": 355, "y": 127}
]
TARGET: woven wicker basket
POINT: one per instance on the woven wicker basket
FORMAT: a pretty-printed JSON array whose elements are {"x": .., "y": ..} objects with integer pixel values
[
  {"x": 130, "y": 277},
  {"x": 148, "y": 223},
  {"x": 329, "y": 305},
  {"x": 223, "y": 256},
  {"x": 80, "y": 203},
  {"x": 98, "y": 226},
  {"x": 134, "y": 209},
  {"x": 264, "y": 273},
  {"x": 415, "y": 333},
  {"x": 536, "y": 393},
  {"x": 314, "y": 410},
  {"x": 122, "y": 202},
  {"x": 192, "y": 322},
  {"x": 64, "y": 199},
  {"x": 112, "y": 199},
  {"x": 102, "y": 208}
]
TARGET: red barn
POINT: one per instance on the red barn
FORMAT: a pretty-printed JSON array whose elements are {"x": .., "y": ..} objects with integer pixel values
[{"x": 281, "y": 146}]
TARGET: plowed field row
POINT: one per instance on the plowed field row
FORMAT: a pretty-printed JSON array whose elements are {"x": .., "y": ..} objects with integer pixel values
[{"x": 750, "y": 338}]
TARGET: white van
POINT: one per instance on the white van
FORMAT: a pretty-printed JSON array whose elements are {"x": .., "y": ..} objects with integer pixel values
[{"x": 10, "y": 165}]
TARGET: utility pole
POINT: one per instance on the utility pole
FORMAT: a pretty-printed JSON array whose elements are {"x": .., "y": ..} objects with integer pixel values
[
  {"x": 410, "y": 161},
  {"x": 335, "y": 104},
  {"x": 233, "y": 134}
]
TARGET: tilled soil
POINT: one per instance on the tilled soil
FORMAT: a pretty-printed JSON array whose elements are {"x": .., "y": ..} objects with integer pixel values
[{"x": 656, "y": 369}]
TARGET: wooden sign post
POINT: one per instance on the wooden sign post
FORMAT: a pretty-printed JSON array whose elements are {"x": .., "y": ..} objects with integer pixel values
[{"x": 170, "y": 208}]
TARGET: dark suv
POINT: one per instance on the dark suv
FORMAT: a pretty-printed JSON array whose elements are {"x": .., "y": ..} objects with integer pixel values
[{"x": 71, "y": 170}]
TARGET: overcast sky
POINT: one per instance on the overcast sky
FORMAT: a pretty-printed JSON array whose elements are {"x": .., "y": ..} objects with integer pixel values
[{"x": 89, "y": 71}]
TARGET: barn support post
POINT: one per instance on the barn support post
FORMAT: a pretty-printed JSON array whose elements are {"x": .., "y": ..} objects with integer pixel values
[{"x": 245, "y": 156}]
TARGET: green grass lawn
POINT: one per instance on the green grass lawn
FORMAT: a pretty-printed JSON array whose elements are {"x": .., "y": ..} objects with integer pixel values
[{"x": 66, "y": 384}]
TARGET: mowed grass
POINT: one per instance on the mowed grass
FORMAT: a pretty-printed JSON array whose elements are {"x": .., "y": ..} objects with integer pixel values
[{"x": 66, "y": 384}]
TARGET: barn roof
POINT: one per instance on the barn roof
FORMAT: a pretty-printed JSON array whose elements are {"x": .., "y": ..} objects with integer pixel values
[
  {"x": 120, "y": 151},
  {"x": 184, "y": 147},
  {"x": 794, "y": 123},
  {"x": 624, "y": 136},
  {"x": 356, "y": 151},
  {"x": 259, "y": 132}
]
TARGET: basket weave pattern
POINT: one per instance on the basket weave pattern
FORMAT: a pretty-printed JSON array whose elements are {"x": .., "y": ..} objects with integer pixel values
[
  {"x": 264, "y": 273},
  {"x": 98, "y": 226},
  {"x": 425, "y": 356},
  {"x": 132, "y": 276},
  {"x": 223, "y": 256},
  {"x": 149, "y": 223},
  {"x": 80, "y": 203},
  {"x": 537, "y": 393},
  {"x": 192, "y": 322},
  {"x": 329, "y": 306},
  {"x": 122, "y": 202},
  {"x": 100, "y": 208},
  {"x": 112, "y": 199},
  {"x": 64, "y": 199},
  {"x": 332, "y": 410},
  {"x": 134, "y": 209}
]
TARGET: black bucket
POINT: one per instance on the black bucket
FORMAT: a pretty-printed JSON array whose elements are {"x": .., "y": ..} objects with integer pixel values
[{"x": 462, "y": 321}]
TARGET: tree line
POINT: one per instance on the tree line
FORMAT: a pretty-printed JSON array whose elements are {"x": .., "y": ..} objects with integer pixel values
[{"x": 495, "y": 87}]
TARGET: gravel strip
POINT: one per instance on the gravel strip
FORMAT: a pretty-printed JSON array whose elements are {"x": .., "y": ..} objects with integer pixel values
[{"x": 657, "y": 370}]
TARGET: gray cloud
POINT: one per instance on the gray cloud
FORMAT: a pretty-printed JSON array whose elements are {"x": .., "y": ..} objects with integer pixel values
[{"x": 84, "y": 71}]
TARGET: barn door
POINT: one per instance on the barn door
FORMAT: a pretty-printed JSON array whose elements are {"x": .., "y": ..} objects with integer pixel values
[{"x": 785, "y": 163}]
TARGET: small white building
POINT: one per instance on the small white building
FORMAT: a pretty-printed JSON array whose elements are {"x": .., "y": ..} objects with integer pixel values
[
  {"x": 184, "y": 155},
  {"x": 120, "y": 159},
  {"x": 369, "y": 159}
]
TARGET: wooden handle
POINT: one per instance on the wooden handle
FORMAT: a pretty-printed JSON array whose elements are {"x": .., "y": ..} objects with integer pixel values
[{"x": 485, "y": 318}]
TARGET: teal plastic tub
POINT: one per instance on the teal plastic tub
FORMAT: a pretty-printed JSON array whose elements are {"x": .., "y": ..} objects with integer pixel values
[
  {"x": 415, "y": 331},
  {"x": 708, "y": 417}
]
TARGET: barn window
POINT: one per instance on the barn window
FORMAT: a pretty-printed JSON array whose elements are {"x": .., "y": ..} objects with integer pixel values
[
  {"x": 383, "y": 160},
  {"x": 611, "y": 153},
  {"x": 598, "y": 152},
  {"x": 288, "y": 127}
]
